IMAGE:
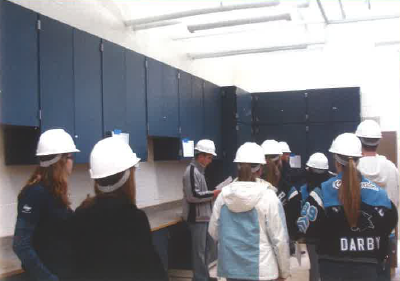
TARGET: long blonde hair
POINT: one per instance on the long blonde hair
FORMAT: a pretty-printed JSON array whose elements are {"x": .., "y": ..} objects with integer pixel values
[
  {"x": 245, "y": 173},
  {"x": 271, "y": 172},
  {"x": 350, "y": 190},
  {"x": 53, "y": 178}
]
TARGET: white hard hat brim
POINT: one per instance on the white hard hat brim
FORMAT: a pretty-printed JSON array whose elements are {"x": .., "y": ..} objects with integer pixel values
[
  {"x": 208, "y": 152},
  {"x": 131, "y": 164},
  {"x": 58, "y": 152}
]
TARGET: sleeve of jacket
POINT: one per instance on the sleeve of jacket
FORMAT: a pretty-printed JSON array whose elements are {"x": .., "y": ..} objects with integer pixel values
[
  {"x": 30, "y": 211},
  {"x": 312, "y": 215},
  {"x": 278, "y": 235},
  {"x": 214, "y": 220},
  {"x": 293, "y": 211},
  {"x": 194, "y": 193}
]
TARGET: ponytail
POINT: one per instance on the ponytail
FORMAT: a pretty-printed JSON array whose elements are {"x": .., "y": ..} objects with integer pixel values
[
  {"x": 271, "y": 171},
  {"x": 245, "y": 173},
  {"x": 350, "y": 192}
]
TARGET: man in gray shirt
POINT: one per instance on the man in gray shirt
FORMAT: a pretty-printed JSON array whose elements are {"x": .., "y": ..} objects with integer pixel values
[{"x": 197, "y": 207}]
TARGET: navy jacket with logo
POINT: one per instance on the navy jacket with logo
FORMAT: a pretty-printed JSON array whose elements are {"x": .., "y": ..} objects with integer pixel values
[{"x": 323, "y": 217}]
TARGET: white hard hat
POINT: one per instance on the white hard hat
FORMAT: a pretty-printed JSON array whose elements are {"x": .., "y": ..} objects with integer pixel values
[
  {"x": 318, "y": 161},
  {"x": 250, "y": 152},
  {"x": 271, "y": 147},
  {"x": 347, "y": 144},
  {"x": 55, "y": 141},
  {"x": 111, "y": 156},
  {"x": 206, "y": 146},
  {"x": 284, "y": 147},
  {"x": 369, "y": 129}
]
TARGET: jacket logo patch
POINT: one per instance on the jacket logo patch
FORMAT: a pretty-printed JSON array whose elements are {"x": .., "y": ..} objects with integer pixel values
[
  {"x": 364, "y": 223},
  {"x": 336, "y": 184},
  {"x": 26, "y": 209},
  {"x": 308, "y": 213},
  {"x": 369, "y": 185}
]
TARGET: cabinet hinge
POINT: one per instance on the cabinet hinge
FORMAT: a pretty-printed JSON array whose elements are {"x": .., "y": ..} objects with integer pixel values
[
  {"x": 40, "y": 114},
  {"x": 146, "y": 64},
  {"x": 306, "y": 95},
  {"x": 101, "y": 47},
  {"x": 237, "y": 127},
  {"x": 306, "y": 117},
  {"x": 179, "y": 75},
  {"x": 307, "y": 128},
  {"x": 180, "y": 130},
  {"x": 39, "y": 25},
  {"x": 148, "y": 127}
]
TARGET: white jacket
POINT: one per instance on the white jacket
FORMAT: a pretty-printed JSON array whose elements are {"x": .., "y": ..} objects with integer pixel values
[
  {"x": 382, "y": 172},
  {"x": 250, "y": 221}
]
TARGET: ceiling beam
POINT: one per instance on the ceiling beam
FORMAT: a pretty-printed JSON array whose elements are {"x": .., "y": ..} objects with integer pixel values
[
  {"x": 198, "y": 12},
  {"x": 196, "y": 56},
  {"x": 321, "y": 8},
  {"x": 342, "y": 9}
]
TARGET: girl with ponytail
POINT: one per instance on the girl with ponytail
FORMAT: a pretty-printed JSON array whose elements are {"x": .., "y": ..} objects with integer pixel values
[{"x": 350, "y": 216}]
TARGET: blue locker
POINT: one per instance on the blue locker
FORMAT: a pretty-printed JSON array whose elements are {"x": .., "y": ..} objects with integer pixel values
[
  {"x": 19, "y": 86},
  {"x": 136, "y": 103},
  {"x": 319, "y": 105},
  {"x": 114, "y": 87},
  {"x": 280, "y": 107},
  {"x": 244, "y": 134},
  {"x": 88, "y": 94},
  {"x": 191, "y": 106},
  {"x": 162, "y": 99},
  {"x": 213, "y": 115},
  {"x": 244, "y": 106},
  {"x": 346, "y": 104},
  {"x": 56, "y": 75}
]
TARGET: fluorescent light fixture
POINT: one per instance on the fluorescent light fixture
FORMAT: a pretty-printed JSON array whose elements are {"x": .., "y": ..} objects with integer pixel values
[
  {"x": 196, "y": 56},
  {"x": 155, "y": 25},
  {"x": 388, "y": 17},
  {"x": 198, "y": 12},
  {"x": 387, "y": 43},
  {"x": 229, "y": 23}
]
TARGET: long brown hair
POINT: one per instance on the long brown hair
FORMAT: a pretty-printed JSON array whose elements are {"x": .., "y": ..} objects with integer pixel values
[
  {"x": 245, "y": 173},
  {"x": 127, "y": 191},
  {"x": 350, "y": 191},
  {"x": 53, "y": 178},
  {"x": 271, "y": 172}
]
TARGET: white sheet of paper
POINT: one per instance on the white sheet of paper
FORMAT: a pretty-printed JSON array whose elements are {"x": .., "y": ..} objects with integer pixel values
[
  {"x": 188, "y": 148},
  {"x": 295, "y": 161},
  {"x": 123, "y": 136},
  {"x": 224, "y": 183}
]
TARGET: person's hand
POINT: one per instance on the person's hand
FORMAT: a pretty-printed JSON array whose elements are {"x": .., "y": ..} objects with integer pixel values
[{"x": 216, "y": 193}]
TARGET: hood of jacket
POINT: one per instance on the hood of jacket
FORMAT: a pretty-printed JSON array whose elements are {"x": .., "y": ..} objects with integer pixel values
[
  {"x": 242, "y": 196},
  {"x": 375, "y": 168}
]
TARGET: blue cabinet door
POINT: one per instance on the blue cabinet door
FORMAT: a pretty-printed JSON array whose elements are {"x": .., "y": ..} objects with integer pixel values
[
  {"x": 136, "y": 103},
  {"x": 114, "y": 87},
  {"x": 56, "y": 75},
  {"x": 213, "y": 115},
  {"x": 280, "y": 107},
  {"x": 190, "y": 106},
  {"x": 243, "y": 104},
  {"x": 88, "y": 97},
  {"x": 346, "y": 104},
  {"x": 19, "y": 92},
  {"x": 162, "y": 99},
  {"x": 244, "y": 134}
]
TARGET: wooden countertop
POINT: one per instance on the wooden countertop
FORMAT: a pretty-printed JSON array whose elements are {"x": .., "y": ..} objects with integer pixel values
[{"x": 160, "y": 216}]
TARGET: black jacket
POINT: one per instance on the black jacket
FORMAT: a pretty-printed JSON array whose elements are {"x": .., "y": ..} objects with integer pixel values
[{"x": 114, "y": 242}]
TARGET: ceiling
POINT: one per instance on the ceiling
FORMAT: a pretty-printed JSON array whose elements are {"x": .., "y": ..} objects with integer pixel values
[{"x": 248, "y": 29}]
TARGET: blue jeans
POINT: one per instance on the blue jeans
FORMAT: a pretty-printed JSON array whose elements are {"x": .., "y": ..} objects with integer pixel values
[
  {"x": 347, "y": 271},
  {"x": 314, "y": 266},
  {"x": 202, "y": 250}
]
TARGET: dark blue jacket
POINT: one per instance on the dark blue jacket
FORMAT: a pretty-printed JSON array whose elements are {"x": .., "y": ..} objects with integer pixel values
[{"x": 42, "y": 239}]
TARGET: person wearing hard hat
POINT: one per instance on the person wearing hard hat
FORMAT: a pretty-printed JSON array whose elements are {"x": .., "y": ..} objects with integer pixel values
[
  {"x": 317, "y": 172},
  {"x": 113, "y": 236},
  {"x": 351, "y": 216},
  {"x": 288, "y": 194},
  {"x": 248, "y": 221},
  {"x": 197, "y": 207},
  {"x": 285, "y": 158},
  {"x": 381, "y": 171},
  {"x": 42, "y": 239}
]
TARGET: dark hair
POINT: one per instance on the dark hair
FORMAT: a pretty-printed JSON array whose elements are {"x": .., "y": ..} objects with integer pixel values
[
  {"x": 198, "y": 153},
  {"x": 271, "y": 172},
  {"x": 127, "y": 191},
  {"x": 245, "y": 173},
  {"x": 314, "y": 180},
  {"x": 370, "y": 148},
  {"x": 350, "y": 191},
  {"x": 53, "y": 178}
]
